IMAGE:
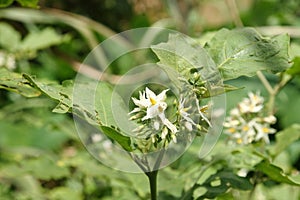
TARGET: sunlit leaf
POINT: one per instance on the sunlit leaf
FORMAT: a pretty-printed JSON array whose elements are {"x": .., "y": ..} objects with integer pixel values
[
  {"x": 243, "y": 52},
  {"x": 294, "y": 70},
  {"x": 29, "y": 3}
]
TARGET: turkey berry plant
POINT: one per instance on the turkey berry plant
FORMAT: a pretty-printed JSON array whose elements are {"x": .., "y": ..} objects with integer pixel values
[{"x": 164, "y": 118}]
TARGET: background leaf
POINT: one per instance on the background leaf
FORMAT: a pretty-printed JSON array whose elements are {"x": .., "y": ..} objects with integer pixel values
[
  {"x": 5, "y": 3},
  {"x": 243, "y": 52},
  {"x": 285, "y": 138},
  {"x": 10, "y": 38},
  {"x": 275, "y": 173},
  {"x": 29, "y": 3},
  {"x": 42, "y": 39},
  {"x": 294, "y": 70},
  {"x": 16, "y": 83}
]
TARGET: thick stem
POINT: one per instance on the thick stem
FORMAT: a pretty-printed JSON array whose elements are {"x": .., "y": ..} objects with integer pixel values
[{"x": 152, "y": 177}]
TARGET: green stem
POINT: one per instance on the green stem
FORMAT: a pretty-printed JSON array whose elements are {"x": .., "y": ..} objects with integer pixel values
[
  {"x": 273, "y": 91},
  {"x": 152, "y": 177}
]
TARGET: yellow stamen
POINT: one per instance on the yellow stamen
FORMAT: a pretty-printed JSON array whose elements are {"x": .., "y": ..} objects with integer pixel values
[
  {"x": 153, "y": 102},
  {"x": 204, "y": 109},
  {"x": 246, "y": 128},
  {"x": 231, "y": 130},
  {"x": 239, "y": 141},
  {"x": 265, "y": 130}
]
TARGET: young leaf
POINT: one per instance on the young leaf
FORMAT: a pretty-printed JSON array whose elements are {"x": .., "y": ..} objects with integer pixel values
[
  {"x": 14, "y": 82},
  {"x": 275, "y": 173},
  {"x": 243, "y": 52},
  {"x": 123, "y": 140}
]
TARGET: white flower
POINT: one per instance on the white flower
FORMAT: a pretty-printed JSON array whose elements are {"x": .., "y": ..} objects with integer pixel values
[
  {"x": 263, "y": 132},
  {"x": 253, "y": 104},
  {"x": 243, "y": 128},
  {"x": 270, "y": 119},
  {"x": 235, "y": 112},
  {"x": 183, "y": 113},
  {"x": 96, "y": 138},
  {"x": 155, "y": 105},
  {"x": 248, "y": 132}
]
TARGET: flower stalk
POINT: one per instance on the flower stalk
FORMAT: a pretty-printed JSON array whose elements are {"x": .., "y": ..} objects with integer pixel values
[{"x": 152, "y": 177}]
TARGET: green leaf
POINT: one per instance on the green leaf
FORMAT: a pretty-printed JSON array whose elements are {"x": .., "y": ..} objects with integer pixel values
[
  {"x": 5, "y": 3},
  {"x": 111, "y": 108},
  {"x": 185, "y": 56},
  {"x": 275, "y": 173},
  {"x": 103, "y": 105},
  {"x": 29, "y": 3},
  {"x": 14, "y": 82},
  {"x": 243, "y": 52},
  {"x": 294, "y": 70},
  {"x": 61, "y": 93},
  {"x": 42, "y": 39},
  {"x": 44, "y": 168},
  {"x": 123, "y": 140},
  {"x": 10, "y": 38},
  {"x": 285, "y": 138},
  {"x": 65, "y": 193},
  {"x": 220, "y": 182}
]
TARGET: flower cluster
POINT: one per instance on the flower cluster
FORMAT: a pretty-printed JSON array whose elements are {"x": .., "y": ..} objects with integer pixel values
[
  {"x": 247, "y": 124},
  {"x": 7, "y": 60},
  {"x": 154, "y": 106},
  {"x": 150, "y": 112}
]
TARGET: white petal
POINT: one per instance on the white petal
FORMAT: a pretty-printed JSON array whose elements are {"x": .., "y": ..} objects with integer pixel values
[
  {"x": 150, "y": 94},
  {"x": 174, "y": 138},
  {"x": 188, "y": 126},
  {"x": 162, "y": 96},
  {"x": 171, "y": 126},
  {"x": 134, "y": 111},
  {"x": 140, "y": 103},
  {"x": 164, "y": 133},
  {"x": 156, "y": 125},
  {"x": 152, "y": 112},
  {"x": 270, "y": 119},
  {"x": 256, "y": 109}
]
